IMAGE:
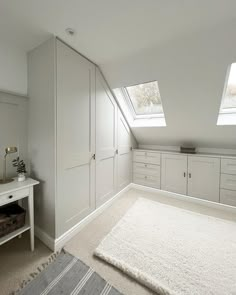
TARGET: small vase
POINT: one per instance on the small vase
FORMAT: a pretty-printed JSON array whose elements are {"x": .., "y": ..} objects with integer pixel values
[{"x": 21, "y": 177}]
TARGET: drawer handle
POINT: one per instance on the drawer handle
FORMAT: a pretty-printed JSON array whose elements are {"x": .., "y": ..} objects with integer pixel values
[{"x": 10, "y": 197}]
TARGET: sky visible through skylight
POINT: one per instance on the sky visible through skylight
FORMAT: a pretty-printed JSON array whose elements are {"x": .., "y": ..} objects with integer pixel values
[{"x": 145, "y": 98}]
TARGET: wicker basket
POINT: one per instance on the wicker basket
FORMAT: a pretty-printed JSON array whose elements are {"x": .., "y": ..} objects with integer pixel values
[{"x": 12, "y": 217}]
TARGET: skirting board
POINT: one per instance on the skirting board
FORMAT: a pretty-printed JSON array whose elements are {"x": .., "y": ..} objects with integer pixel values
[
  {"x": 57, "y": 244},
  {"x": 44, "y": 237},
  {"x": 202, "y": 202}
]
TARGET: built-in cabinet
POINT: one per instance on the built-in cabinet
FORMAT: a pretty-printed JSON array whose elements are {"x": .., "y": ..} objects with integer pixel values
[
  {"x": 174, "y": 173},
  {"x": 82, "y": 154},
  {"x": 208, "y": 177},
  {"x": 106, "y": 142},
  {"x": 203, "y": 178},
  {"x": 75, "y": 138},
  {"x": 146, "y": 168},
  {"x": 228, "y": 182}
]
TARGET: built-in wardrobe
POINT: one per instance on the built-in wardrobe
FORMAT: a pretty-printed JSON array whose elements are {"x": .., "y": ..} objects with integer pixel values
[{"x": 79, "y": 142}]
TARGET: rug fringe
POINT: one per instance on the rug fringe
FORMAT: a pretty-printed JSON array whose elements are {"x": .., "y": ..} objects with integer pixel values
[{"x": 39, "y": 269}]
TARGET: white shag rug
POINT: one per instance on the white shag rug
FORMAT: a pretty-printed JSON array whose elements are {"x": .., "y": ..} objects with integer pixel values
[{"x": 172, "y": 250}]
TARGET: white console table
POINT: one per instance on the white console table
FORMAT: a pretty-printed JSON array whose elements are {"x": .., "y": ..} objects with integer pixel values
[{"x": 16, "y": 191}]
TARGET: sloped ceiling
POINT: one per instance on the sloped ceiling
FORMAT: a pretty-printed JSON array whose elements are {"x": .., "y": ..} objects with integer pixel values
[
  {"x": 185, "y": 44},
  {"x": 191, "y": 74}
]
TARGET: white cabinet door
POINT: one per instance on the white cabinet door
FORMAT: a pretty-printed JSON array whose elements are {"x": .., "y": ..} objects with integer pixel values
[
  {"x": 124, "y": 153},
  {"x": 106, "y": 143},
  {"x": 174, "y": 173},
  {"x": 204, "y": 177},
  {"x": 75, "y": 137}
]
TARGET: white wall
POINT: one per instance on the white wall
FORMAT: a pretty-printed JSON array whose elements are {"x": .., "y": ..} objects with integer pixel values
[
  {"x": 13, "y": 70},
  {"x": 13, "y": 129},
  {"x": 191, "y": 73}
]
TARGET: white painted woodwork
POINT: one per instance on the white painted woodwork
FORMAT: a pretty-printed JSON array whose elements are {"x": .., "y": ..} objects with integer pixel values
[
  {"x": 147, "y": 180},
  {"x": 79, "y": 121},
  {"x": 106, "y": 141},
  {"x": 17, "y": 191},
  {"x": 147, "y": 169},
  {"x": 228, "y": 181},
  {"x": 145, "y": 173},
  {"x": 75, "y": 137},
  {"x": 204, "y": 178},
  {"x": 147, "y": 157},
  {"x": 124, "y": 155},
  {"x": 42, "y": 132},
  {"x": 228, "y": 197},
  {"x": 228, "y": 166},
  {"x": 174, "y": 173}
]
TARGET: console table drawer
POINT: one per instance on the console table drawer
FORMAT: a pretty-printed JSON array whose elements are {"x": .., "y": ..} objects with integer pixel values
[
  {"x": 13, "y": 196},
  {"x": 228, "y": 197},
  {"x": 147, "y": 169},
  {"x": 228, "y": 181},
  {"x": 147, "y": 157}
]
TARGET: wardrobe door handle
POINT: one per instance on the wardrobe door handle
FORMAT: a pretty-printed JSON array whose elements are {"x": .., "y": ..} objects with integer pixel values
[
  {"x": 184, "y": 174},
  {"x": 189, "y": 175}
]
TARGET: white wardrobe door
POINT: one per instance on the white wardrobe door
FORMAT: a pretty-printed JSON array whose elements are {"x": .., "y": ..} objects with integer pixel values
[
  {"x": 204, "y": 178},
  {"x": 75, "y": 137},
  {"x": 124, "y": 153},
  {"x": 106, "y": 126},
  {"x": 174, "y": 173}
]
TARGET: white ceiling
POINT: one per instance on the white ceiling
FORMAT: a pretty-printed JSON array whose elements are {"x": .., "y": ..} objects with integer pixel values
[
  {"x": 108, "y": 29},
  {"x": 184, "y": 44}
]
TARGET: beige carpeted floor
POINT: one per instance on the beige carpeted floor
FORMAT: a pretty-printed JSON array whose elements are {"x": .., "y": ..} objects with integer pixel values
[{"x": 16, "y": 261}]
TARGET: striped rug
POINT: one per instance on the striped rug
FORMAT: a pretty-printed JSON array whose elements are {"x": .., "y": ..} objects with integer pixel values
[{"x": 70, "y": 276}]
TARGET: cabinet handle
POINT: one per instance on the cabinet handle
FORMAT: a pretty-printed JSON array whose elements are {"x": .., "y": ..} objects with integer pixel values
[
  {"x": 94, "y": 156},
  {"x": 189, "y": 175},
  {"x": 117, "y": 152},
  {"x": 184, "y": 174},
  {"x": 10, "y": 197}
]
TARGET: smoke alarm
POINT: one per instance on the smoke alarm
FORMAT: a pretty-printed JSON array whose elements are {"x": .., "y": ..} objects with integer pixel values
[{"x": 70, "y": 31}]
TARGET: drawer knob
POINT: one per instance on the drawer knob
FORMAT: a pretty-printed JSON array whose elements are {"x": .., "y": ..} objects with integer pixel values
[{"x": 10, "y": 197}]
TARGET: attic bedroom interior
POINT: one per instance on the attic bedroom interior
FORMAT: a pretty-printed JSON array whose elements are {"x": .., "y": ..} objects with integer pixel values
[{"x": 117, "y": 147}]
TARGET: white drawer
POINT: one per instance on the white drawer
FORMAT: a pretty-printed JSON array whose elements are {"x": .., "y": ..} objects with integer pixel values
[
  {"x": 147, "y": 180},
  {"x": 147, "y": 157},
  {"x": 228, "y": 166},
  {"x": 147, "y": 169},
  {"x": 228, "y": 197},
  {"x": 14, "y": 196},
  {"x": 228, "y": 181}
]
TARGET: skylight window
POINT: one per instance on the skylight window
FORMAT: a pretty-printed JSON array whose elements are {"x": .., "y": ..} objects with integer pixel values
[
  {"x": 142, "y": 104},
  {"x": 145, "y": 98},
  {"x": 227, "y": 114}
]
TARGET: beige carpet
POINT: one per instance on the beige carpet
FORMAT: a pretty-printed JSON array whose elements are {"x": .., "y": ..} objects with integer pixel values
[
  {"x": 17, "y": 262},
  {"x": 84, "y": 243}
]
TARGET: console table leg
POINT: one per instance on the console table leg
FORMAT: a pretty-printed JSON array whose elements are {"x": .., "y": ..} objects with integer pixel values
[{"x": 31, "y": 217}]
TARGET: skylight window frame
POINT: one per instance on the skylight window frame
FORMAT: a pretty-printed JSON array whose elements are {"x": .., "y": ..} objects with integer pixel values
[
  {"x": 227, "y": 115},
  {"x": 229, "y": 110},
  {"x": 131, "y": 106}
]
